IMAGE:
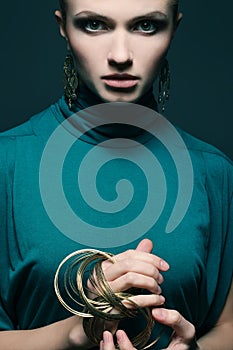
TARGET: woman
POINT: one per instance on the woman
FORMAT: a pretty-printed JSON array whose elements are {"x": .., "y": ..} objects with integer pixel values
[{"x": 118, "y": 49}]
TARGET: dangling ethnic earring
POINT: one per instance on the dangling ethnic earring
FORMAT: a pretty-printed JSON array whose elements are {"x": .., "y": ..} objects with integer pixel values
[
  {"x": 70, "y": 80},
  {"x": 164, "y": 85}
]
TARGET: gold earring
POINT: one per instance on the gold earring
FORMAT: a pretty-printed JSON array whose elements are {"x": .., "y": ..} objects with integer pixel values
[
  {"x": 70, "y": 80},
  {"x": 164, "y": 84}
]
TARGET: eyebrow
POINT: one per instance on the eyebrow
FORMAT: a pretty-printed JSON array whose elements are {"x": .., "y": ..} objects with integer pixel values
[{"x": 158, "y": 14}]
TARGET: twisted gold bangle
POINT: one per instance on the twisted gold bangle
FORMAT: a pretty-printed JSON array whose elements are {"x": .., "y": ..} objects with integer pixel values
[{"x": 101, "y": 307}]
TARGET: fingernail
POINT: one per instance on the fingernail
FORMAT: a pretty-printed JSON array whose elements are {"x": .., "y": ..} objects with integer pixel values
[
  {"x": 161, "y": 299},
  {"x": 159, "y": 290},
  {"x": 164, "y": 265},
  {"x": 160, "y": 279},
  {"x": 106, "y": 337},
  {"x": 120, "y": 336}
]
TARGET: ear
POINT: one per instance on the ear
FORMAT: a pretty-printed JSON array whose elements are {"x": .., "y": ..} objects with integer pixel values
[
  {"x": 177, "y": 22},
  {"x": 178, "y": 19},
  {"x": 60, "y": 22}
]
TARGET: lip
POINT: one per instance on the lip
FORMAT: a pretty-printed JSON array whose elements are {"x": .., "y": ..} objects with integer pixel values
[
  {"x": 122, "y": 81},
  {"x": 120, "y": 76}
]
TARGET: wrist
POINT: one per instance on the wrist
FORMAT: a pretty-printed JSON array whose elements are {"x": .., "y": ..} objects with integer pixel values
[{"x": 77, "y": 338}]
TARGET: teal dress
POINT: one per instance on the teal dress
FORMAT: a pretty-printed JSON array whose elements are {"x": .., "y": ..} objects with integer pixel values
[{"x": 199, "y": 250}]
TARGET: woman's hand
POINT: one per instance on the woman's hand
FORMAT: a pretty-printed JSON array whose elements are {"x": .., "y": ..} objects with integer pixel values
[
  {"x": 183, "y": 336},
  {"x": 122, "y": 340},
  {"x": 135, "y": 268}
]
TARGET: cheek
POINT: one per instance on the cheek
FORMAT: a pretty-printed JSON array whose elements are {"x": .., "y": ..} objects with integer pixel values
[
  {"x": 156, "y": 46},
  {"x": 150, "y": 49},
  {"x": 87, "y": 55},
  {"x": 151, "y": 59},
  {"x": 84, "y": 62}
]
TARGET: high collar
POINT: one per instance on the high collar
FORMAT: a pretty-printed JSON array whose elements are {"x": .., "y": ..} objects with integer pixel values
[
  {"x": 86, "y": 98},
  {"x": 93, "y": 134}
]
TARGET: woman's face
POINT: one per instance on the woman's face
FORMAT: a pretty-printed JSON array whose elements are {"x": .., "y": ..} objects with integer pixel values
[{"x": 118, "y": 45}]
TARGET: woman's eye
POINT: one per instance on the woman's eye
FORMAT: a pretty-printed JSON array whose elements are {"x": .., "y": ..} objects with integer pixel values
[
  {"x": 94, "y": 26},
  {"x": 146, "y": 27}
]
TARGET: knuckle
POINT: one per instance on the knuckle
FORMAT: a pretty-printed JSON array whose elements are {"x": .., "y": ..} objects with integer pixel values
[
  {"x": 155, "y": 272},
  {"x": 130, "y": 278},
  {"x": 130, "y": 253},
  {"x": 176, "y": 317},
  {"x": 128, "y": 264},
  {"x": 152, "y": 284},
  {"x": 105, "y": 265},
  {"x": 192, "y": 332}
]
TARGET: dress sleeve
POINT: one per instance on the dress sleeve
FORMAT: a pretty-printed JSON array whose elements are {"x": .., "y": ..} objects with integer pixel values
[
  {"x": 6, "y": 307},
  {"x": 5, "y": 320},
  {"x": 219, "y": 261}
]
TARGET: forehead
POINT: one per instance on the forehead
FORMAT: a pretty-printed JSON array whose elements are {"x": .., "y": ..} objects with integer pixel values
[{"x": 119, "y": 8}]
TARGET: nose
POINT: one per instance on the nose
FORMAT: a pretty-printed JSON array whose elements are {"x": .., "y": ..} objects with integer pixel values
[{"x": 120, "y": 54}]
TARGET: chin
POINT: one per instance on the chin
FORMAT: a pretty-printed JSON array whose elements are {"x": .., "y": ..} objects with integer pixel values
[{"x": 121, "y": 97}]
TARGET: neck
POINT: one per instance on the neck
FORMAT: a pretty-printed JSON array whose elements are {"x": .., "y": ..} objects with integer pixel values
[{"x": 86, "y": 122}]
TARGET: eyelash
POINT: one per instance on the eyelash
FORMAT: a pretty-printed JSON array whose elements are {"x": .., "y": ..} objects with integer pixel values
[
  {"x": 154, "y": 24},
  {"x": 103, "y": 27}
]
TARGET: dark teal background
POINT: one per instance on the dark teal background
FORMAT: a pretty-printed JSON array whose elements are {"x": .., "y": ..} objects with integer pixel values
[{"x": 201, "y": 58}]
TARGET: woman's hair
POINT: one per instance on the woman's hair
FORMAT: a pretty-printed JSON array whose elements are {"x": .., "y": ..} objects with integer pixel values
[
  {"x": 175, "y": 4},
  {"x": 63, "y": 7}
]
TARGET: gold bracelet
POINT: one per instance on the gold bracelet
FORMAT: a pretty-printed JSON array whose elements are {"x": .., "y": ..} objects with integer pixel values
[{"x": 99, "y": 308}]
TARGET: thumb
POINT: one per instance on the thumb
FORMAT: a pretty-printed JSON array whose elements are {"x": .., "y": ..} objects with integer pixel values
[
  {"x": 145, "y": 245},
  {"x": 172, "y": 318}
]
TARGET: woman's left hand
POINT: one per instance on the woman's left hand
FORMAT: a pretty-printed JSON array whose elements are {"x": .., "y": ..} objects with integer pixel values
[{"x": 183, "y": 336}]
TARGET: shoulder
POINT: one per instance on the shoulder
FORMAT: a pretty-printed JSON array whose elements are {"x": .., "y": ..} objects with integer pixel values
[
  {"x": 203, "y": 148},
  {"x": 216, "y": 166},
  {"x": 205, "y": 151},
  {"x": 27, "y": 135},
  {"x": 33, "y": 126}
]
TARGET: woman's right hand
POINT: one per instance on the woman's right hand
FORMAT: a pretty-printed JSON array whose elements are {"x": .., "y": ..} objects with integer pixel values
[
  {"x": 136, "y": 269},
  {"x": 132, "y": 269}
]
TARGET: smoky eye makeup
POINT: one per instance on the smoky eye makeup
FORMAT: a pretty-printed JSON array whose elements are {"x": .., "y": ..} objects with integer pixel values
[
  {"x": 92, "y": 24},
  {"x": 96, "y": 24},
  {"x": 148, "y": 26}
]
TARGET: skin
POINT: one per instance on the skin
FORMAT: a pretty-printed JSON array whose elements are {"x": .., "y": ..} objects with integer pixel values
[
  {"x": 126, "y": 49},
  {"x": 122, "y": 51},
  {"x": 68, "y": 334},
  {"x": 126, "y": 45}
]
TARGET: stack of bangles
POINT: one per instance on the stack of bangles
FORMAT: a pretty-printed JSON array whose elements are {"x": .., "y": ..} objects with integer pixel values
[{"x": 106, "y": 309}]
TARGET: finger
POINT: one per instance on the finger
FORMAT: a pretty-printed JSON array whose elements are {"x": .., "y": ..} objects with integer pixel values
[
  {"x": 183, "y": 328},
  {"x": 107, "y": 343},
  {"x": 123, "y": 341},
  {"x": 145, "y": 245},
  {"x": 132, "y": 265},
  {"x": 142, "y": 301},
  {"x": 143, "y": 256},
  {"x": 111, "y": 270},
  {"x": 135, "y": 280}
]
